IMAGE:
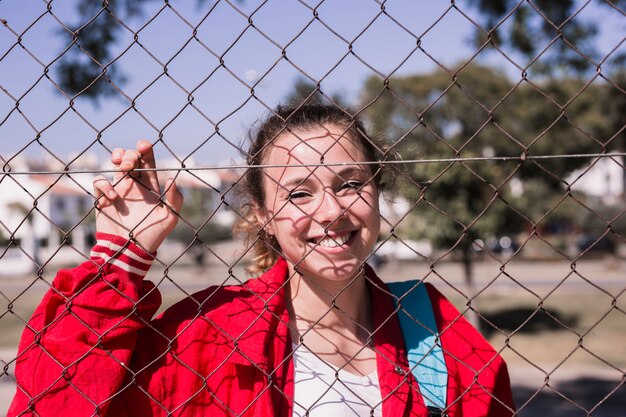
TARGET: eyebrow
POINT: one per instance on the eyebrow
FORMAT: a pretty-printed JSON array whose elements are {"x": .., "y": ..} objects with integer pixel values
[
  {"x": 350, "y": 170},
  {"x": 303, "y": 180},
  {"x": 295, "y": 182}
]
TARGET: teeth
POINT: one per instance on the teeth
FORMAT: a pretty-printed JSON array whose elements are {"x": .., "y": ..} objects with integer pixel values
[{"x": 333, "y": 242}]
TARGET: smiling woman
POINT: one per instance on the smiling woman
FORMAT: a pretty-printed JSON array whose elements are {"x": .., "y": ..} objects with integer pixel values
[
  {"x": 325, "y": 217},
  {"x": 316, "y": 334}
]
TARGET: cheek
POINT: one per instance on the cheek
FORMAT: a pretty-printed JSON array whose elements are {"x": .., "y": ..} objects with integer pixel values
[
  {"x": 291, "y": 221},
  {"x": 366, "y": 206}
]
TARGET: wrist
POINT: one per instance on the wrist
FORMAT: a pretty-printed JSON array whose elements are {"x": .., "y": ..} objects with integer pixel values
[{"x": 122, "y": 253}]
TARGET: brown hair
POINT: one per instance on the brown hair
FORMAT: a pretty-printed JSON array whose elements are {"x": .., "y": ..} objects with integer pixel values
[{"x": 251, "y": 195}]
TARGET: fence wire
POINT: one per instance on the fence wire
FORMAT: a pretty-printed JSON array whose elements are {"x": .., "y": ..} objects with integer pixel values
[{"x": 504, "y": 175}]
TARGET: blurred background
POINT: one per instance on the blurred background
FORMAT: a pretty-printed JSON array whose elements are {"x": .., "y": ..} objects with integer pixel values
[{"x": 502, "y": 123}]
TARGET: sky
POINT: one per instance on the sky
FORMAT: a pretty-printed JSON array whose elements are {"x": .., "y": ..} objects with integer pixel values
[{"x": 285, "y": 44}]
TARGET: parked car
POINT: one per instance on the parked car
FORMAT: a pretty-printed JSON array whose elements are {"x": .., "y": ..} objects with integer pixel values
[{"x": 596, "y": 243}]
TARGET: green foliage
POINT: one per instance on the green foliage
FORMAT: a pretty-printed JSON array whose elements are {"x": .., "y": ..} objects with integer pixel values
[
  {"x": 87, "y": 67},
  {"x": 306, "y": 92},
  {"x": 530, "y": 27},
  {"x": 614, "y": 107},
  {"x": 599, "y": 217},
  {"x": 197, "y": 212},
  {"x": 477, "y": 112},
  {"x": 4, "y": 240}
]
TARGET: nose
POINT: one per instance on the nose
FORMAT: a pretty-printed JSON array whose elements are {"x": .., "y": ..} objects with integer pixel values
[{"x": 330, "y": 209}]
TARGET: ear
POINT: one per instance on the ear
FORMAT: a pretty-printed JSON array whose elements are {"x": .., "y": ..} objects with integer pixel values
[{"x": 264, "y": 217}]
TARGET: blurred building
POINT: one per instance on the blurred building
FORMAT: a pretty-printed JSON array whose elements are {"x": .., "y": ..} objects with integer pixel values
[
  {"x": 42, "y": 211},
  {"x": 603, "y": 179}
]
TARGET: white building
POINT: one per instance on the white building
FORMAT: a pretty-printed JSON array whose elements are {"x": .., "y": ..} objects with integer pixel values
[
  {"x": 201, "y": 186},
  {"x": 603, "y": 179},
  {"x": 38, "y": 210}
]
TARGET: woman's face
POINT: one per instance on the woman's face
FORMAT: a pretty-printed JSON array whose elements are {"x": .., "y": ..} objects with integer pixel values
[{"x": 325, "y": 218}]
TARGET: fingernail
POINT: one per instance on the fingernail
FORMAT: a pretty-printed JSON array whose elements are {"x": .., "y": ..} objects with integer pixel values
[{"x": 112, "y": 194}]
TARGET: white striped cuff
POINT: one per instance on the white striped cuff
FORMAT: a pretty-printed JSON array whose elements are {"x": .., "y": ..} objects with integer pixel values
[{"x": 122, "y": 254}]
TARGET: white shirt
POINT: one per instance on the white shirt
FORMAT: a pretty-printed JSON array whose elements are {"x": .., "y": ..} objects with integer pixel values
[{"x": 324, "y": 390}]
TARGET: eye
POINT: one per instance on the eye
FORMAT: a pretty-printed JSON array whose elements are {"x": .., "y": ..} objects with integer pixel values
[
  {"x": 351, "y": 185},
  {"x": 297, "y": 195}
]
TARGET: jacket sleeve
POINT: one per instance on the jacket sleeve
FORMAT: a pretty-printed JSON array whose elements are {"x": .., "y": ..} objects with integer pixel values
[
  {"x": 478, "y": 380},
  {"x": 74, "y": 351}
]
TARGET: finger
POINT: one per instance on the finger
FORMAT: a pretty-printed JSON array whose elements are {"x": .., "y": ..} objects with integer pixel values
[
  {"x": 116, "y": 160},
  {"x": 173, "y": 197},
  {"x": 130, "y": 160},
  {"x": 147, "y": 161},
  {"x": 116, "y": 156},
  {"x": 103, "y": 190}
]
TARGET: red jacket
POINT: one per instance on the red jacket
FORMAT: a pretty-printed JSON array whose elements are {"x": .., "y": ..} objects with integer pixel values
[{"x": 91, "y": 348}]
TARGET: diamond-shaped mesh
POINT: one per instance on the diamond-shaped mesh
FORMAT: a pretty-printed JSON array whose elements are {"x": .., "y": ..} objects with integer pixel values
[{"x": 499, "y": 129}]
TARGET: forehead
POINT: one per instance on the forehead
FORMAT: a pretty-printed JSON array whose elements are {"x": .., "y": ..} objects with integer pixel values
[{"x": 325, "y": 144}]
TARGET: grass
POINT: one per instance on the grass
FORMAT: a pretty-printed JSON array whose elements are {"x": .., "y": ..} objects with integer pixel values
[{"x": 575, "y": 328}]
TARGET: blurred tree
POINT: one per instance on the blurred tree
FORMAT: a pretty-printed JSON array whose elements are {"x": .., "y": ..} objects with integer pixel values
[
  {"x": 306, "y": 92},
  {"x": 88, "y": 67},
  {"x": 614, "y": 106},
  {"x": 477, "y": 112},
  {"x": 529, "y": 28},
  {"x": 197, "y": 226}
]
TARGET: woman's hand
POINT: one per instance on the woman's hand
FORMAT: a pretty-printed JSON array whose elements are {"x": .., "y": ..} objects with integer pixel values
[{"x": 131, "y": 205}]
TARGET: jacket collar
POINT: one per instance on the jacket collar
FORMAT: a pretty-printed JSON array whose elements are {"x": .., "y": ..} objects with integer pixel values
[
  {"x": 258, "y": 323},
  {"x": 253, "y": 317}
]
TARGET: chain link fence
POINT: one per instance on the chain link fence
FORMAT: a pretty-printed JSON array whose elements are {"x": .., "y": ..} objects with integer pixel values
[{"x": 503, "y": 131}]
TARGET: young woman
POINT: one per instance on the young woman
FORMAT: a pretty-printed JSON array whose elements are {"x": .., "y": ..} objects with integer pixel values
[{"x": 317, "y": 334}]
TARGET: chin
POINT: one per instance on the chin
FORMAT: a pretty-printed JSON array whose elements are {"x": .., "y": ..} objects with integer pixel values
[{"x": 337, "y": 272}]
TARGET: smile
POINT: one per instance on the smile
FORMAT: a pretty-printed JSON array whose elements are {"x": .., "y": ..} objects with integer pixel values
[{"x": 334, "y": 241}]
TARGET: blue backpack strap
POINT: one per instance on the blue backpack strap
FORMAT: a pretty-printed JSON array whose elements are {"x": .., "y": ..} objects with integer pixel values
[{"x": 421, "y": 339}]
